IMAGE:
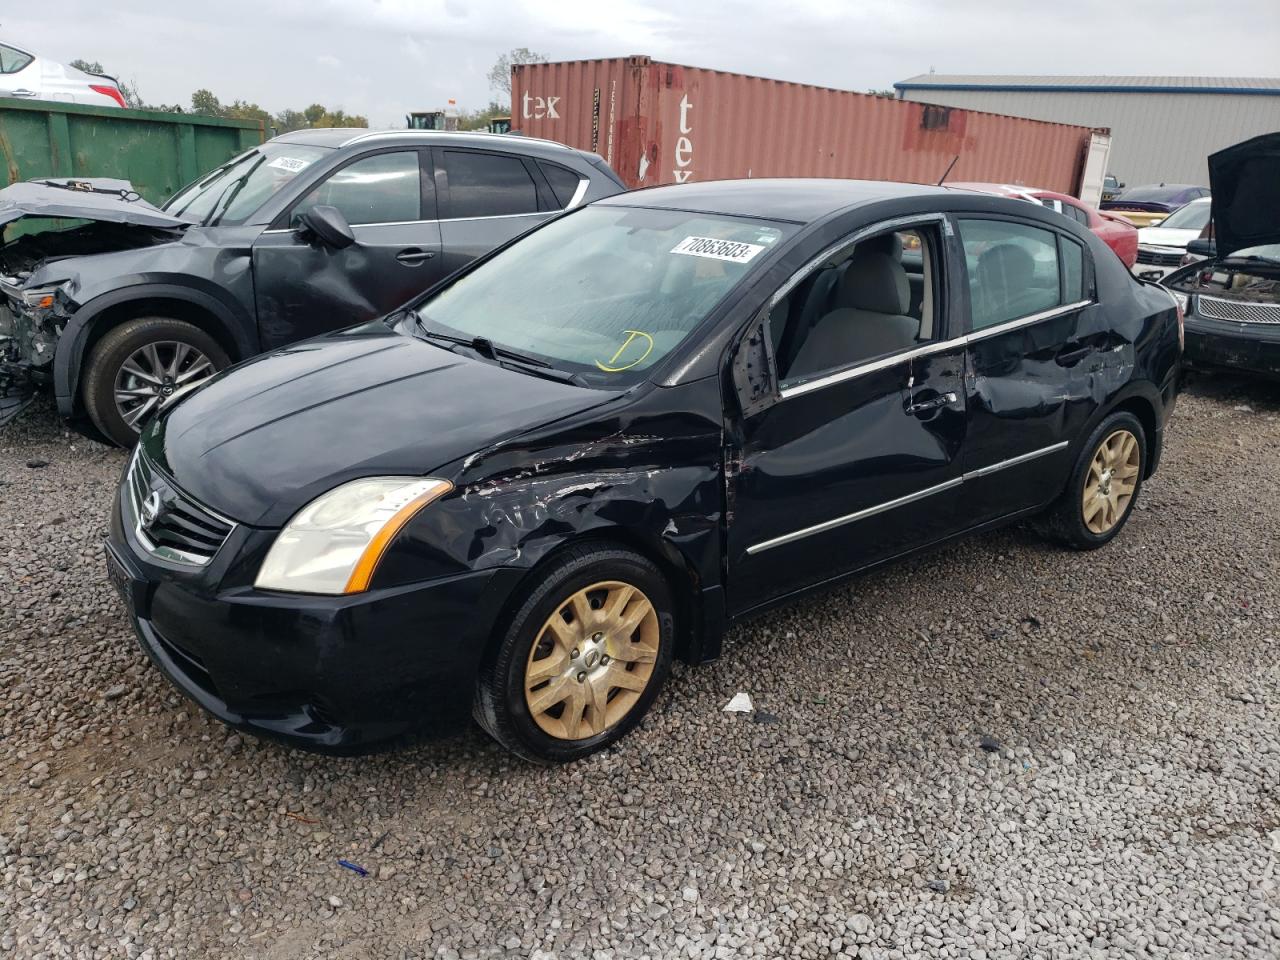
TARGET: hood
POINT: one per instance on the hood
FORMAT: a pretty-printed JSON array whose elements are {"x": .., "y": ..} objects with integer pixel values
[
  {"x": 98, "y": 198},
  {"x": 1245, "y": 182},
  {"x": 258, "y": 442},
  {"x": 1166, "y": 237}
]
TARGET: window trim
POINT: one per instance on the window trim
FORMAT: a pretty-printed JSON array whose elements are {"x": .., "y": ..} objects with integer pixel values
[
  {"x": 31, "y": 58},
  {"x": 798, "y": 388}
]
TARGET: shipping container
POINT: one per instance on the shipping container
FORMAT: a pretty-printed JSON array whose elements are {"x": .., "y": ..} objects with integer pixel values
[
  {"x": 661, "y": 123},
  {"x": 158, "y": 152}
]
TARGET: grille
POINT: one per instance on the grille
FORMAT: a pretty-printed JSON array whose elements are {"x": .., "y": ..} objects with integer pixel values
[
  {"x": 1238, "y": 310},
  {"x": 169, "y": 523},
  {"x": 1155, "y": 259}
]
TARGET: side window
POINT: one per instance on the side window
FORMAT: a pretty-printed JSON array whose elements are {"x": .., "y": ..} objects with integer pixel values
[
  {"x": 1072, "y": 271},
  {"x": 384, "y": 188},
  {"x": 11, "y": 60},
  {"x": 488, "y": 185},
  {"x": 1012, "y": 268},
  {"x": 564, "y": 183},
  {"x": 1080, "y": 214},
  {"x": 870, "y": 300}
]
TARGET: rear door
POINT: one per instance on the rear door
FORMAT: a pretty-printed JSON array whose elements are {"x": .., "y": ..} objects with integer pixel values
[
  {"x": 303, "y": 288},
  {"x": 1029, "y": 366},
  {"x": 487, "y": 197},
  {"x": 18, "y": 77}
]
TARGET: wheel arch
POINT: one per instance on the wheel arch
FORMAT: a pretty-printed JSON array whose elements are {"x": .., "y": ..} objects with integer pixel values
[
  {"x": 91, "y": 322},
  {"x": 696, "y": 640}
]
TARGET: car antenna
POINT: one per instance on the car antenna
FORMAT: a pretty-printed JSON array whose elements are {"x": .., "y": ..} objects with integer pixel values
[{"x": 950, "y": 167}]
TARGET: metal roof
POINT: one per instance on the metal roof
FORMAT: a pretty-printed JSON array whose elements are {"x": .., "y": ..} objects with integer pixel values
[{"x": 1256, "y": 86}]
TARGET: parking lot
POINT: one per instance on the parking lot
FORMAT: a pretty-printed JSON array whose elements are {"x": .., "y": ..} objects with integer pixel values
[{"x": 999, "y": 749}]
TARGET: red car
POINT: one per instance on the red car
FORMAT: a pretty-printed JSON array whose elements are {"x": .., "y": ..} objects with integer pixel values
[{"x": 1114, "y": 230}]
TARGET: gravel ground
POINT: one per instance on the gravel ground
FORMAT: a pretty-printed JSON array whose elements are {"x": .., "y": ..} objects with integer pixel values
[{"x": 1000, "y": 749}]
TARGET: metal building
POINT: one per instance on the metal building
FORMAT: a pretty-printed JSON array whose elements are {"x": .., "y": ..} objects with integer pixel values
[{"x": 1162, "y": 128}]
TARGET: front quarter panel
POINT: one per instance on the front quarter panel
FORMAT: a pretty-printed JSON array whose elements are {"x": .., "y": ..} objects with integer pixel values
[{"x": 645, "y": 473}]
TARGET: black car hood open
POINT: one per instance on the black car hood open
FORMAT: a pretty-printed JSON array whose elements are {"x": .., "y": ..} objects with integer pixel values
[
  {"x": 1245, "y": 181},
  {"x": 96, "y": 198},
  {"x": 260, "y": 441}
]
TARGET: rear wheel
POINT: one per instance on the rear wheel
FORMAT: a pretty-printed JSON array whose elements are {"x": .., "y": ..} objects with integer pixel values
[
  {"x": 1104, "y": 485},
  {"x": 582, "y": 659},
  {"x": 136, "y": 367}
]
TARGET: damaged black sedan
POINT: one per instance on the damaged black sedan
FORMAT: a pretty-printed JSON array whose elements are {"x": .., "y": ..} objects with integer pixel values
[
  {"x": 590, "y": 452},
  {"x": 1232, "y": 297}
]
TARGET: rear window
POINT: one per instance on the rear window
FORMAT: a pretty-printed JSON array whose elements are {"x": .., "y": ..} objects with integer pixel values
[
  {"x": 564, "y": 183},
  {"x": 11, "y": 60},
  {"x": 1152, "y": 194}
]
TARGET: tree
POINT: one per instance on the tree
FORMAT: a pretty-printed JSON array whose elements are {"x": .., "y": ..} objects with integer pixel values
[
  {"x": 205, "y": 104},
  {"x": 479, "y": 119},
  {"x": 128, "y": 90},
  {"x": 314, "y": 113},
  {"x": 500, "y": 74}
]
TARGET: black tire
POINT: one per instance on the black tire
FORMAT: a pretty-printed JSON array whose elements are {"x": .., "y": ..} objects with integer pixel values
[
  {"x": 117, "y": 346},
  {"x": 1065, "y": 520},
  {"x": 501, "y": 707}
]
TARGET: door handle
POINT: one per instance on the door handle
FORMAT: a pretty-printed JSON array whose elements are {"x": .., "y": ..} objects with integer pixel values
[
  {"x": 23, "y": 93},
  {"x": 933, "y": 403},
  {"x": 412, "y": 256},
  {"x": 1068, "y": 358}
]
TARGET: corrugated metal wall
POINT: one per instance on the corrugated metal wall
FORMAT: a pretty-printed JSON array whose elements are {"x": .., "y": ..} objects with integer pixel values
[
  {"x": 665, "y": 123},
  {"x": 1155, "y": 137}
]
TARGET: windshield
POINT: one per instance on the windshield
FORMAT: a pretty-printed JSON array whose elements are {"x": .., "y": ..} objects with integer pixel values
[
  {"x": 607, "y": 292},
  {"x": 235, "y": 190},
  {"x": 1193, "y": 216},
  {"x": 1267, "y": 251}
]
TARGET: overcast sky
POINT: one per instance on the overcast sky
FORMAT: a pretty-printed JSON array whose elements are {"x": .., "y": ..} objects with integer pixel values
[{"x": 384, "y": 58}]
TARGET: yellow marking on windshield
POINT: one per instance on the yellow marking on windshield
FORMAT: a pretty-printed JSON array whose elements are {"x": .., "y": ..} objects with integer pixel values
[{"x": 609, "y": 368}]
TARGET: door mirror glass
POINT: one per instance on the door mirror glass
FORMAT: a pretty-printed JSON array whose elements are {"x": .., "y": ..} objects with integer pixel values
[{"x": 328, "y": 225}]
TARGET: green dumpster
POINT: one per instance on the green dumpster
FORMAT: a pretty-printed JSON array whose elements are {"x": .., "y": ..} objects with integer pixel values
[{"x": 158, "y": 152}]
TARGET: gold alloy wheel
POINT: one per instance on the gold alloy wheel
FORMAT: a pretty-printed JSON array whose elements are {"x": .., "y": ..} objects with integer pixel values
[
  {"x": 592, "y": 660},
  {"x": 1111, "y": 481}
]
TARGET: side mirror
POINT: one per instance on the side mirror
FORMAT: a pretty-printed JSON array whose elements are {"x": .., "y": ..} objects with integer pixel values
[
  {"x": 328, "y": 225},
  {"x": 1120, "y": 184},
  {"x": 1201, "y": 247}
]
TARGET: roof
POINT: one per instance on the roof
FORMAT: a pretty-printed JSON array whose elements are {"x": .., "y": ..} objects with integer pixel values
[
  {"x": 798, "y": 200},
  {"x": 345, "y": 136},
  {"x": 1045, "y": 83}
]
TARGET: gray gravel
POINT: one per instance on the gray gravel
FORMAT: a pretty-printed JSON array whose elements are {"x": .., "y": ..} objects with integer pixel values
[{"x": 997, "y": 750}]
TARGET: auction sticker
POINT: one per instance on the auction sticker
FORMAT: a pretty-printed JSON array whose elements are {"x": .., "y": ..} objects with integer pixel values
[
  {"x": 710, "y": 247},
  {"x": 292, "y": 164}
]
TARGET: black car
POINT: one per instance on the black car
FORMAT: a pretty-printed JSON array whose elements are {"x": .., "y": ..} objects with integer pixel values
[
  {"x": 1232, "y": 298},
  {"x": 311, "y": 230},
  {"x": 593, "y": 450}
]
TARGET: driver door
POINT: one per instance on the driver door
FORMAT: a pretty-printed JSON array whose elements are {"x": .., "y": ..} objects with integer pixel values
[{"x": 303, "y": 288}]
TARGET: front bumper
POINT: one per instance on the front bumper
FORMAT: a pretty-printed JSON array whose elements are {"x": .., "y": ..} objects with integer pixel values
[
  {"x": 1248, "y": 347},
  {"x": 332, "y": 674}
]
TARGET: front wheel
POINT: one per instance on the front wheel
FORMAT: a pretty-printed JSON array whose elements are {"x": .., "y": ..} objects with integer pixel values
[
  {"x": 136, "y": 367},
  {"x": 1103, "y": 487},
  {"x": 582, "y": 659}
]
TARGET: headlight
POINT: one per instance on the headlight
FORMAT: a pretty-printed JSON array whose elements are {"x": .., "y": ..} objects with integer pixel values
[
  {"x": 333, "y": 544},
  {"x": 40, "y": 298},
  {"x": 1182, "y": 300}
]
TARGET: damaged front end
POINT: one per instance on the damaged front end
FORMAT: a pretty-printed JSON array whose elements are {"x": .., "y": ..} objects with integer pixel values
[{"x": 60, "y": 220}]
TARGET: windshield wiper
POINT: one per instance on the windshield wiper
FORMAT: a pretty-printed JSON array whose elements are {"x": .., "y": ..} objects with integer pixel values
[{"x": 504, "y": 356}]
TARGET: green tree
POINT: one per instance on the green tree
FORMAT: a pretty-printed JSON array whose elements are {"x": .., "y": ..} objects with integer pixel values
[
  {"x": 479, "y": 119},
  {"x": 314, "y": 113},
  {"x": 500, "y": 73},
  {"x": 205, "y": 104}
]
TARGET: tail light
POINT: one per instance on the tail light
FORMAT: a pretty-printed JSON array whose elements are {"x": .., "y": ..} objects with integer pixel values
[{"x": 108, "y": 91}]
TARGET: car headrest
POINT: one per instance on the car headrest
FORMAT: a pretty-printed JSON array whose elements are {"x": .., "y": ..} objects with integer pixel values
[
  {"x": 1006, "y": 266},
  {"x": 876, "y": 282},
  {"x": 888, "y": 243}
]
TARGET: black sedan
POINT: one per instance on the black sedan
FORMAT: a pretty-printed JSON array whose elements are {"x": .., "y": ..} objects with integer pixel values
[{"x": 525, "y": 493}]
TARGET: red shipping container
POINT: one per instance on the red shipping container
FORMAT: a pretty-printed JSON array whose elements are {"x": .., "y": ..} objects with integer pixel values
[{"x": 665, "y": 123}]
